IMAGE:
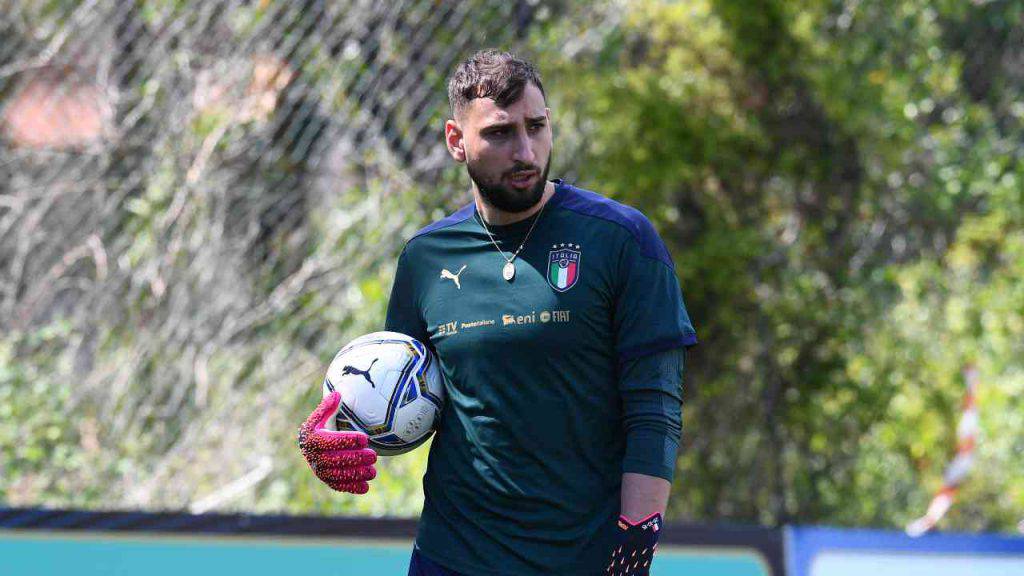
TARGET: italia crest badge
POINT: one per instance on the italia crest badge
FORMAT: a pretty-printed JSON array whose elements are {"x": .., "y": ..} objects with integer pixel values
[{"x": 564, "y": 266}]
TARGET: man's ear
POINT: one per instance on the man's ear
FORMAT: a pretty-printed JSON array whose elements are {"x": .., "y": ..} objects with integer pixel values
[{"x": 454, "y": 141}]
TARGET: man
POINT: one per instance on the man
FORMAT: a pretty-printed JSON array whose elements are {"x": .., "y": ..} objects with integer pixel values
[{"x": 560, "y": 328}]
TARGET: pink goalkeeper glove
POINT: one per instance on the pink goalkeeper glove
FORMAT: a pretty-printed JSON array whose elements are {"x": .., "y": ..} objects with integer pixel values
[{"x": 340, "y": 459}]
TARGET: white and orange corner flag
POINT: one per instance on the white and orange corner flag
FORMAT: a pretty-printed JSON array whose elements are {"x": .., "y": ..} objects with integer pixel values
[{"x": 960, "y": 467}]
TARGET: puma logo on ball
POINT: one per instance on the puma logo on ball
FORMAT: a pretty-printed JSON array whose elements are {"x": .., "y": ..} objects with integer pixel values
[{"x": 364, "y": 373}]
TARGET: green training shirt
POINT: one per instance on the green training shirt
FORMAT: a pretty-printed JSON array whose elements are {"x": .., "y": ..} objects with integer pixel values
[{"x": 524, "y": 472}]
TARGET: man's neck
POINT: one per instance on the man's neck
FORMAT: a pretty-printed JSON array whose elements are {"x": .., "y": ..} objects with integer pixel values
[{"x": 496, "y": 217}]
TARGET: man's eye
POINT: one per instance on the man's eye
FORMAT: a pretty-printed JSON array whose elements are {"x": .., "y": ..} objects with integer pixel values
[{"x": 537, "y": 127}]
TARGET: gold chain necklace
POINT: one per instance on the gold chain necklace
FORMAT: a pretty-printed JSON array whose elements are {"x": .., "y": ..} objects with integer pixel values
[{"x": 508, "y": 271}]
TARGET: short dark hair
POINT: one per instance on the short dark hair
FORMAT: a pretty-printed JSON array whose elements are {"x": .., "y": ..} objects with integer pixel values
[{"x": 501, "y": 76}]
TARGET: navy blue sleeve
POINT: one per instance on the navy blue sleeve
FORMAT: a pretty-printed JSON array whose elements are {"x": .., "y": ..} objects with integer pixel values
[
  {"x": 649, "y": 312},
  {"x": 403, "y": 307},
  {"x": 651, "y": 388}
]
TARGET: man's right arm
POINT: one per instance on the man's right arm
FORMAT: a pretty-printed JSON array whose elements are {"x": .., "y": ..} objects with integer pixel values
[
  {"x": 404, "y": 313},
  {"x": 342, "y": 460}
]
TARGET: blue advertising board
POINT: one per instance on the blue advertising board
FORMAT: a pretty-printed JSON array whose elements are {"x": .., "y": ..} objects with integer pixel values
[{"x": 848, "y": 552}]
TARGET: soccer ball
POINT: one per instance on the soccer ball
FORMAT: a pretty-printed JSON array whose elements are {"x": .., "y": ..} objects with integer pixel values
[{"x": 391, "y": 389}]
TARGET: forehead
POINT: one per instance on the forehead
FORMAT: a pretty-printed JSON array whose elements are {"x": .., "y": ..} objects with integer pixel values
[{"x": 483, "y": 111}]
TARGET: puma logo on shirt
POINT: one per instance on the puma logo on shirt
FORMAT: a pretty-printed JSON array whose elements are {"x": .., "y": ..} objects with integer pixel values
[{"x": 446, "y": 275}]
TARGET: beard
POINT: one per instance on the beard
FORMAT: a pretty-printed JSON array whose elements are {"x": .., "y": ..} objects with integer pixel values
[{"x": 506, "y": 198}]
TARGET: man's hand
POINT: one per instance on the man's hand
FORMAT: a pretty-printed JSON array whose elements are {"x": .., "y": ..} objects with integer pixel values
[
  {"x": 635, "y": 550},
  {"x": 340, "y": 459}
]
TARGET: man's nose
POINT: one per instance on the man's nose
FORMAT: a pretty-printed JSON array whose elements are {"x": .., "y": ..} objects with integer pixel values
[{"x": 524, "y": 149}]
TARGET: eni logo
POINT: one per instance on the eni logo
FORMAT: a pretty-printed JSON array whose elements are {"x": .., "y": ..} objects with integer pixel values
[
  {"x": 446, "y": 275},
  {"x": 545, "y": 316}
]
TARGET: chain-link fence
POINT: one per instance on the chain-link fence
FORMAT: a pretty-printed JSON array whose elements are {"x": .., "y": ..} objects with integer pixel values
[{"x": 198, "y": 200}]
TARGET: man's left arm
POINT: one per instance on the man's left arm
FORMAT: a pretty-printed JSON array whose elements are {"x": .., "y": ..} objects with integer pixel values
[
  {"x": 651, "y": 391},
  {"x": 651, "y": 388},
  {"x": 652, "y": 331}
]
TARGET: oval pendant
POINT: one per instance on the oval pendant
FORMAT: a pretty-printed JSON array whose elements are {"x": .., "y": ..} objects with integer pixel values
[{"x": 509, "y": 271}]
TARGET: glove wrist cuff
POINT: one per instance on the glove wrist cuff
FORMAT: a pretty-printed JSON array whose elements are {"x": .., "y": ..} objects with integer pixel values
[{"x": 645, "y": 520}]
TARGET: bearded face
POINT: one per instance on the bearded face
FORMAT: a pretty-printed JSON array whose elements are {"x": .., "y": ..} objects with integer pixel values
[
  {"x": 507, "y": 150},
  {"x": 516, "y": 190}
]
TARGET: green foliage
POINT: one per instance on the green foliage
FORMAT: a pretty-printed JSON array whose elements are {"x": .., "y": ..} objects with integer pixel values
[{"x": 44, "y": 446}]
